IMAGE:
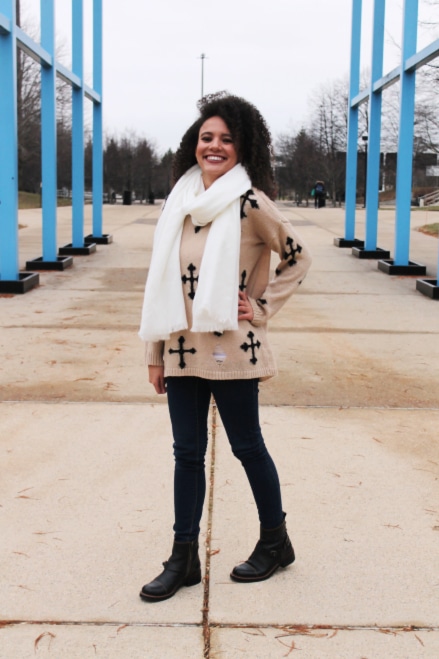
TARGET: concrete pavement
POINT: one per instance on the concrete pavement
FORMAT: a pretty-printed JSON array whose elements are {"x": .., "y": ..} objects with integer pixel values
[{"x": 86, "y": 487}]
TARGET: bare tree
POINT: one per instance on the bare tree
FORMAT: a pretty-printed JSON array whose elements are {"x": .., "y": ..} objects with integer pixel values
[
  {"x": 163, "y": 175},
  {"x": 144, "y": 162},
  {"x": 284, "y": 168},
  {"x": 130, "y": 165},
  {"x": 29, "y": 116},
  {"x": 329, "y": 129}
]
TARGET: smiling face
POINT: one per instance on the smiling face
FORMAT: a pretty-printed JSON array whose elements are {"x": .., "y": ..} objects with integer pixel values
[{"x": 215, "y": 152}]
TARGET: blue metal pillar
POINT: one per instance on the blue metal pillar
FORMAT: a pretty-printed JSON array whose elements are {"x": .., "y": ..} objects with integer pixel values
[
  {"x": 78, "y": 169},
  {"x": 98, "y": 151},
  {"x": 79, "y": 245},
  {"x": 352, "y": 146},
  {"x": 401, "y": 263},
  {"x": 11, "y": 280},
  {"x": 410, "y": 61},
  {"x": 375, "y": 103},
  {"x": 98, "y": 159},
  {"x": 370, "y": 249},
  {"x": 49, "y": 260},
  {"x": 8, "y": 148},
  {"x": 406, "y": 133},
  {"x": 48, "y": 133},
  {"x": 11, "y": 37}
]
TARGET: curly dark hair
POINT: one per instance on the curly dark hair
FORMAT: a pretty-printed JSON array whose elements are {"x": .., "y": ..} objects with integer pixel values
[{"x": 249, "y": 132}]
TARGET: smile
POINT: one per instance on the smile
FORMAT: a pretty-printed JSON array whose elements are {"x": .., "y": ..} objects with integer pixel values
[{"x": 215, "y": 158}]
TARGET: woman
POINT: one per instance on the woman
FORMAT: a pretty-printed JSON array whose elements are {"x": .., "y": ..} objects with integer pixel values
[{"x": 207, "y": 301}]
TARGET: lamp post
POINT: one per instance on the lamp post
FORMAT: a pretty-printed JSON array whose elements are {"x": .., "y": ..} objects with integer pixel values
[
  {"x": 365, "y": 138},
  {"x": 202, "y": 58}
]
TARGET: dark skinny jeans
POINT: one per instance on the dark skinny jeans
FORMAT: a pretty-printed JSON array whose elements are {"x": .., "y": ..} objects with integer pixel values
[{"x": 237, "y": 403}]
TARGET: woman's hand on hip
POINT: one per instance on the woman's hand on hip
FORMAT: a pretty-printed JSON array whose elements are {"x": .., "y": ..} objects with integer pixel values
[
  {"x": 245, "y": 309},
  {"x": 157, "y": 378}
]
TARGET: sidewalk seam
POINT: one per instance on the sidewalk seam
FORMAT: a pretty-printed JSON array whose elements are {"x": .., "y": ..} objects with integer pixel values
[
  {"x": 97, "y": 623},
  {"x": 143, "y": 403},
  {"x": 223, "y": 625}
]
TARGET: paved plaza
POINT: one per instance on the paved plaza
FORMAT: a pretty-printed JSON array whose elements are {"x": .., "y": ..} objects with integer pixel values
[{"x": 86, "y": 459}]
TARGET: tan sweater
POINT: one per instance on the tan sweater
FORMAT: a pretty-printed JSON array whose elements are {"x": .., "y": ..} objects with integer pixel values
[{"x": 244, "y": 353}]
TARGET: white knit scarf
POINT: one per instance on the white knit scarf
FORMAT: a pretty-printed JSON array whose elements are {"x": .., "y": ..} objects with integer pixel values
[{"x": 215, "y": 306}]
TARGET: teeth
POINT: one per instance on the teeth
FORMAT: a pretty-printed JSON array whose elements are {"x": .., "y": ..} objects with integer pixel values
[{"x": 214, "y": 158}]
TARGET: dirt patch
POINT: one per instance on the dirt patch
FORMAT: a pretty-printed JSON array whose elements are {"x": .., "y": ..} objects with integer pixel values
[{"x": 430, "y": 229}]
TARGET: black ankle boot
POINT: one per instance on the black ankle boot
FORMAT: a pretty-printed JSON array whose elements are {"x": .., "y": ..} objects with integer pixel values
[
  {"x": 182, "y": 569},
  {"x": 273, "y": 550}
]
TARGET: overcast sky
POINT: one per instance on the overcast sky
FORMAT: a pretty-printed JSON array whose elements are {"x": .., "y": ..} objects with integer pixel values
[{"x": 277, "y": 54}]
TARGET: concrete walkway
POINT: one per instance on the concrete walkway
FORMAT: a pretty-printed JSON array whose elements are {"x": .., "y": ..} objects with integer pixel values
[{"x": 86, "y": 459}]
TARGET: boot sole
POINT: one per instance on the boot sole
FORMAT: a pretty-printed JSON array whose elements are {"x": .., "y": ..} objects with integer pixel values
[
  {"x": 266, "y": 575},
  {"x": 159, "y": 598}
]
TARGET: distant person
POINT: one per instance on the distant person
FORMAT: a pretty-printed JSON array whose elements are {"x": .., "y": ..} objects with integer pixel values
[
  {"x": 319, "y": 194},
  {"x": 208, "y": 298}
]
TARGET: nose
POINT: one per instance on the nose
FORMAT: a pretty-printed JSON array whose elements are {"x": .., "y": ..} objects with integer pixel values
[{"x": 215, "y": 143}]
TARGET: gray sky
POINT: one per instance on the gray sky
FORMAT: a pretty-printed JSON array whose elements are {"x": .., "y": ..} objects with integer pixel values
[
  {"x": 271, "y": 52},
  {"x": 275, "y": 53}
]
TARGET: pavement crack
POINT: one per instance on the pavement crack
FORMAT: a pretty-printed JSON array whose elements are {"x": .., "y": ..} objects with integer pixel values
[
  {"x": 305, "y": 629},
  {"x": 206, "y": 624}
]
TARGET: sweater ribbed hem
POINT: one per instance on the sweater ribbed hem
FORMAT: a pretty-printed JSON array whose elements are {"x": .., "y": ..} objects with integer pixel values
[
  {"x": 154, "y": 353},
  {"x": 153, "y": 361},
  {"x": 260, "y": 373}
]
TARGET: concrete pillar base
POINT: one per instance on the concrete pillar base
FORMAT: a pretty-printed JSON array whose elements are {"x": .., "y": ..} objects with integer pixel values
[
  {"x": 344, "y": 242},
  {"x": 26, "y": 281},
  {"x": 377, "y": 253},
  {"x": 87, "y": 249},
  {"x": 408, "y": 270},
  {"x": 61, "y": 263},
  {"x": 428, "y": 287},
  {"x": 105, "y": 239}
]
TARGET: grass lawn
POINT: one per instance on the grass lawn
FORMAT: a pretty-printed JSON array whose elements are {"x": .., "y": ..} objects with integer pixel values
[
  {"x": 430, "y": 229},
  {"x": 31, "y": 200}
]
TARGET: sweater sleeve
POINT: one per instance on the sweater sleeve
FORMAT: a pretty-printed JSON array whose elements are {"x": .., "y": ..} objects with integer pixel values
[
  {"x": 154, "y": 353},
  {"x": 295, "y": 259}
]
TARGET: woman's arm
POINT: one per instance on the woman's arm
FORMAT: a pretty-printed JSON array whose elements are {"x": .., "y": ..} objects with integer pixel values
[
  {"x": 295, "y": 259},
  {"x": 157, "y": 378},
  {"x": 156, "y": 368}
]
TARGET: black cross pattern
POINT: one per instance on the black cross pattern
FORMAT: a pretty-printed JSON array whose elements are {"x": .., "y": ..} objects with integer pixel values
[
  {"x": 293, "y": 251},
  {"x": 243, "y": 285},
  {"x": 185, "y": 279},
  {"x": 181, "y": 351},
  {"x": 245, "y": 198},
  {"x": 251, "y": 346}
]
